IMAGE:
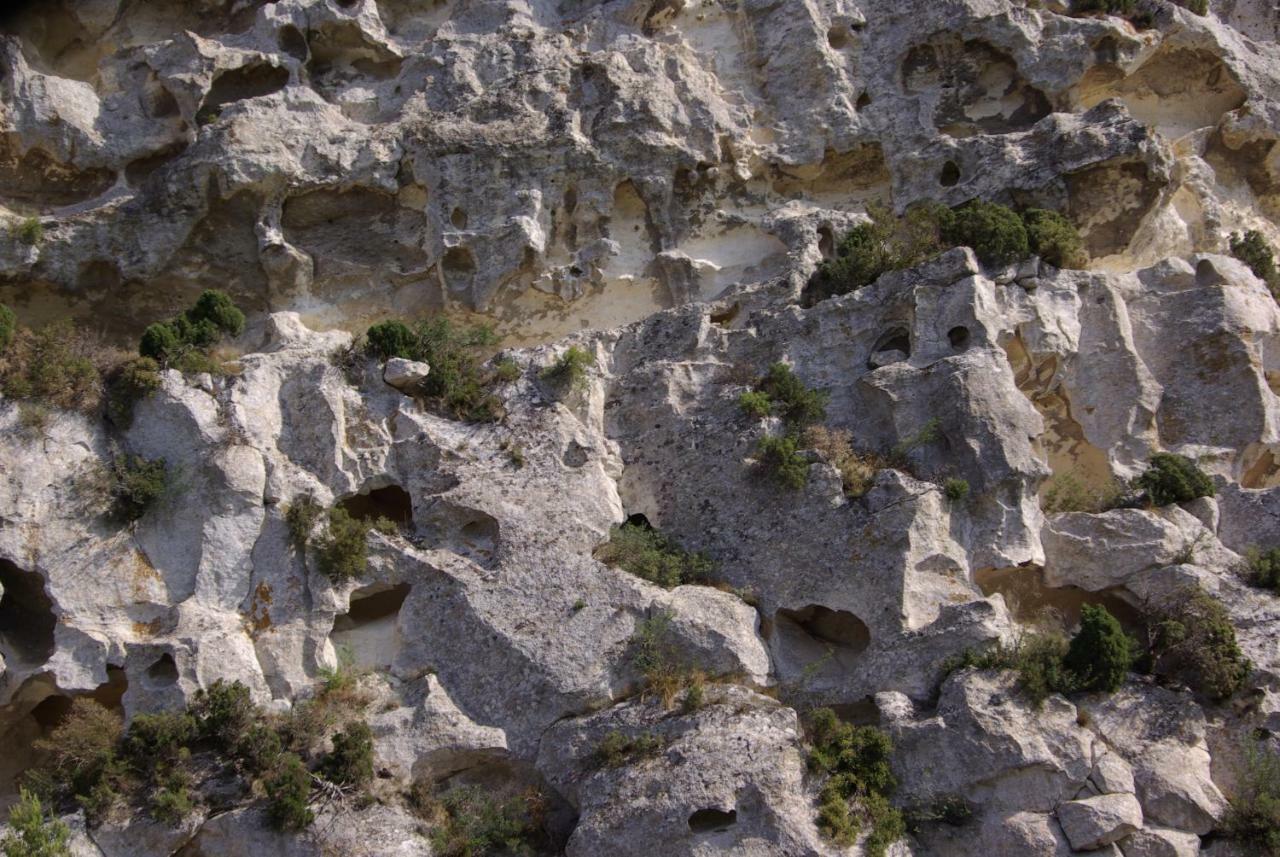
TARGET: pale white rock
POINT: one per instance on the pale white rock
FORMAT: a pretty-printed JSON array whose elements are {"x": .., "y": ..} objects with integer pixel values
[
  {"x": 1161, "y": 842},
  {"x": 1098, "y": 821},
  {"x": 404, "y": 374}
]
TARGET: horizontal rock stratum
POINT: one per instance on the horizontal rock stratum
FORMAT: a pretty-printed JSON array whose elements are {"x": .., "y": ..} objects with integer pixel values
[{"x": 636, "y": 195}]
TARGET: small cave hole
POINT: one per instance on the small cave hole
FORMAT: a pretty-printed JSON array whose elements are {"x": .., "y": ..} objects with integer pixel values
[
  {"x": 163, "y": 672},
  {"x": 826, "y": 241},
  {"x": 837, "y": 628},
  {"x": 639, "y": 520},
  {"x": 712, "y": 820},
  {"x": 292, "y": 42},
  {"x": 458, "y": 219},
  {"x": 893, "y": 346},
  {"x": 369, "y": 630},
  {"x": 1207, "y": 274},
  {"x": 465, "y": 531},
  {"x": 240, "y": 84},
  {"x": 575, "y": 455},
  {"x": 392, "y": 502},
  {"x": 26, "y": 616},
  {"x": 958, "y": 337},
  {"x": 950, "y": 175},
  {"x": 51, "y": 711},
  {"x": 458, "y": 267},
  {"x": 838, "y": 37},
  {"x": 864, "y": 101},
  {"x": 725, "y": 317}
]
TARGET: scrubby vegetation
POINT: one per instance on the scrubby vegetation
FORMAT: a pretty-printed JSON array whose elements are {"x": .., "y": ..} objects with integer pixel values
[
  {"x": 469, "y": 821},
  {"x": 459, "y": 383},
  {"x": 1254, "y": 816},
  {"x": 1191, "y": 640},
  {"x": 128, "y": 384},
  {"x": 8, "y": 326},
  {"x": 55, "y": 365},
  {"x": 955, "y": 489},
  {"x": 1253, "y": 250},
  {"x": 857, "y": 470},
  {"x": 781, "y": 461},
  {"x": 342, "y": 552},
  {"x": 136, "y": 485},
  {"x": 1067, "y": 492},
  {"x": 617, "y": 748},
  {"x": 658, "y": 657},
  {"x": 997, "y": 234},
  {"x": 855, "y": 761},
  {"x": 647, "y": 553},
  {"x": 29, "y": 231},
  {"x": 301, "y": 517},
  {"x": 32, "y": 833},
  {"x": 183, "y": 342},
  {"x": 1263, "y": 568},
  {"x": 159, "y": 762},
  {"x": 1171, "y": 478},
  {"x": 569, "y": 371},
  {"x": 1096, "y": 658},
  {"x": 787, "y": 397}
]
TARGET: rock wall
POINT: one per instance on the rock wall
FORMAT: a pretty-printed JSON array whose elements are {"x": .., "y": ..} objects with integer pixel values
[{"x": 652, "y": 182}]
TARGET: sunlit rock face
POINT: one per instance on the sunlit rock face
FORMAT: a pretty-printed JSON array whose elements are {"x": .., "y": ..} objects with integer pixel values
[{"x": 653, "y": 182}]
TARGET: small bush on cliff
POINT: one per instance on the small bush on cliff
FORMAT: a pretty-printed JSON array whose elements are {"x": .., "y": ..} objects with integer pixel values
[
  {"x": 137, "y": 484},
  {"x": 859, "y": 782},
  {"x": 1171, "y": 478},
  {"x": 182, "y": 341},
  {"x": 1099, "y": 655},
  {"x": 1054, "y": 239},
  {"x": 1263, "y": 568},
  {"x": 128, "y": 384},
  {"x": 8, "y": 327},
  {"x": 288, "y": 789},
  {"x": 469, "y": 821},
  {"x": 458, "y": 384},
  {"x": 789, "y": 398},
  {"x": 994, "y": 232},
  {"x": 351, "y": 760},
  {"x": 569, "y": 370},
  {"x": 29, "y": 231},
  {"x": 1192, "y": 641},
  {"x": 862, "y": 255},
  {"x": 647, "y": 553},
  {"x": 1253, "y": 818},
  {"x": 32, "y": 833},
  {"x": 343, "y": 551},
  {"x": 301, "y": 518},
  {"x": 617, "y": 749},
  {"x": 1112, "y": 7},
  {"x": 1067, "y": 492},
  {"x": 955, "y": 489},
  {"x": 80, "y": 757},
  {"x": 54, "y": 365},
  {"x": 1253, "y": 250},
  {"x": 780, "y": 459},
  {"x": 857, "y": 470}
]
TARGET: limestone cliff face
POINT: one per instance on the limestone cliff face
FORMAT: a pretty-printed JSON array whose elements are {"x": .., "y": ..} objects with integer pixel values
[{"x": 652, "y": 181}]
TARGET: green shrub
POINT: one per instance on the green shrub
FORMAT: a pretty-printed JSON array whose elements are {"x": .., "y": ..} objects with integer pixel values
[
  {"x": 288, "y": 788},
  {"x": 1192, "y": 640},
  {"x": 171, "y": 801},
  {"x": 855, "y": 761},
  {"x": 158, "y": 740},
  {"x": 780, "y": 459},
  {"x": 351, "y": 760},
  {"x": 1113, "y": 7},
  {"x": 54, "y": 365},
  {"x": 657, "y": 558},
  {"x": 128, "y": 384},
  {"x": 1067, "y": 492},
  {"x": 259, "y": 748},
  {"x": 1253, "y": 818},
  {"x": 32, "y": 834},
  {"x": 223, "y": 714},
  {"x": 506, "y": 370},
  {"x": 1099, "y": 655},
  {"x": 181, "y": 341},
  {"x": 861, "y": 256},
  {"x": 617, "y": 748},
  {"x": 343, "y": 551},
  {"x": 955, "y": 489},
  {"x": 1171, "y": 478},
  {"x": 755, "y": 404},
  {"x": 137, "y": 483},
  {"x": 1252, "y": 249},
  {"x": 469, "y": 821},
  {"x": 657, "y": 655},
  {"x": 994, "y": 232},
  {"x": 81, "y": 751},
  {"x": 1037, "y": 658},
  {"x": 30, "y": 231},
  {"x": 391, "y": 338},
  {"x": 570, "y": 369},
  {"x": 8, "y": 326},
  {"x": 790, "y": 399},
  {"x": 457, "y": 384},
  {"x": 1199, "y": 7},
  {"x": 301, "y": 518},
  {"x": 1054, "y": 238},
  {"x": 950, "y": 809},
  {"x": 1264, "y": 568}
]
